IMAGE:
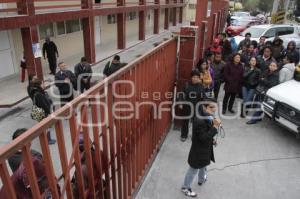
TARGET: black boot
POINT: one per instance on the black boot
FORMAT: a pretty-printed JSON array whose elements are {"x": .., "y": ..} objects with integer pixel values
[
  {"x": 50, "y": 141},
  {"x": 242, "y": 111}
]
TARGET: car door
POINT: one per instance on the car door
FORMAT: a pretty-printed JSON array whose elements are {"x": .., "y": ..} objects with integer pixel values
[
  {"x": 287, "y": 34},
  {"x": 270, "y": 34}
]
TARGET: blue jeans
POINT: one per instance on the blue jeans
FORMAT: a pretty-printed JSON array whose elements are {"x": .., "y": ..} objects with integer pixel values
[
  {"x": 191, "y": 173},
  {"x": 248, "y": 94}
]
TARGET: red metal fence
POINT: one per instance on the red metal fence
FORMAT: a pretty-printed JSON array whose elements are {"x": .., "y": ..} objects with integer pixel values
[{"x": 123, "y": 149}]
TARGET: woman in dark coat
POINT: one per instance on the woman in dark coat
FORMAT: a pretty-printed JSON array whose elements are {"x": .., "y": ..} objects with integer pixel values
[
  {"x": 233, "y": 76},
  {"x": 201, "y": 153},
  {"x": 292, "y": 50},
  {"x": 250, "y": 81},
  {"x": 41, "y": 99},
  {"x": 277, "y": 49},
  {"x": 268, "y": 79}
]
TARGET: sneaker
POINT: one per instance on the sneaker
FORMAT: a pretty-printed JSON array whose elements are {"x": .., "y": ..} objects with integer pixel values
[
  {"x": 183, "y": 139},
  {"x": 189, "y": 192},
  {"x": 201, "y": 183}
]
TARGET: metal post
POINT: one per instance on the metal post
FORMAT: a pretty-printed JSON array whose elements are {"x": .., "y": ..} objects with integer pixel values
[
  {"x": 142, "y": 22},
  {"x": 121, "y": 27},
  {"x": 88, "y": 32}
]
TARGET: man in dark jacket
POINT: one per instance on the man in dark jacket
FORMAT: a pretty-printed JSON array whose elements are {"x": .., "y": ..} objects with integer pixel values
[
  {"x": 246, "y": 41},
  {"x": 50, "y": 49},
  {"x": 277, "y": 49},
  {"x": 83, "y": 72},
  {"x": 15, "y": 160},
  {"x": 113, "y": 66},
  {"x": 226, "y": 46},
  {"x": 201, "y": 152},
  {"x": 264, "y": 61},
  {"x": 218, "y": 66},
  {"x": 65, "y": 80},
  {"x": 246, "y": 56},
  {"x": 268, "y": 79},
  {"x": 193, "y": 93}
]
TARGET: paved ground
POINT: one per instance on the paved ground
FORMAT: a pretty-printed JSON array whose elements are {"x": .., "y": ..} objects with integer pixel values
[{"x": 253, "y": 162}]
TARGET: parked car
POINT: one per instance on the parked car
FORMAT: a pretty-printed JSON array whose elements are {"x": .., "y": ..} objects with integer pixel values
[
  {"x": 240, "y": 15},
  {"x": 238, "y": 26},
  {"x": 287, "y": 32},
  {"x": 283, "y": 105}
]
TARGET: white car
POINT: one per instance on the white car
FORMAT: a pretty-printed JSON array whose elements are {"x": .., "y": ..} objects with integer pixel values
[
  {"x": 282, "y": 104},
  {"x": 286, "y": 32}
]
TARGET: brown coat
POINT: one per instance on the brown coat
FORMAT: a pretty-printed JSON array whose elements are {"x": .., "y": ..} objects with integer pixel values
[{"x": 206, "y": 79}]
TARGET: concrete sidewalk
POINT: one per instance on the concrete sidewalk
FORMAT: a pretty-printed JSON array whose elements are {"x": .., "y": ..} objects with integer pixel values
[
  {"x": 12, "y": 90},
  {"x": 252, "y": 162}
]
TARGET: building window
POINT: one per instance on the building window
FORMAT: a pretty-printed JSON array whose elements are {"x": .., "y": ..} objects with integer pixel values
[
  {"x": 61, "y": 28},
  {"x": 111, "y": 19},
  {"x": 72, "y": 26},
  {"x": 131, "y": 16},
  {"x": 46, "y": 30},
  {"x": 192, "y": 6}
]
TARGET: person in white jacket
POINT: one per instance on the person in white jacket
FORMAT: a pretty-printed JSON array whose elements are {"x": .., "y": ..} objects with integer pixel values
[{"x": 287, "y": 71}]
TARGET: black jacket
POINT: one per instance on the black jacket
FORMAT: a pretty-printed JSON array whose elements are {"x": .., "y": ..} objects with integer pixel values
[
  {"x": 84, "y": 70},
  {"x": 218, "y": 71},
  {"x": 65, "y": 88},
  {"x": 50, "y": 48},
  {"x": 262, "y": 64},
  {"x": 201, "y": 152},
  {"x": 110, "y": 68},
  {"x": 193, "y": 93},
  {"x": 268, "y": 80},
  {"x": 41, "y": 99},
  {"x": 251, "y": 77}
]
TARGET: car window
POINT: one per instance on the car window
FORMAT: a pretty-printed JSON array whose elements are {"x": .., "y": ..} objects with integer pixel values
[
  {"x": 255, "y": 32},
  {"x": 270, "y": 33},
  {"x": 280, "y": 31}
]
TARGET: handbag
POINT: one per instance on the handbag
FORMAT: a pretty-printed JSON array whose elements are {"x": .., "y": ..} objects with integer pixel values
[{"x": 37, "y": 113}]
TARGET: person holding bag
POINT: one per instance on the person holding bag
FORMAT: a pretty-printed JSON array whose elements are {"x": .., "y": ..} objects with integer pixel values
[{"x": 41, "y": 104}]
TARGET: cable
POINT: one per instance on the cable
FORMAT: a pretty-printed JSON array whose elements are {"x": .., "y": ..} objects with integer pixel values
[{"x": 254, "y": 161}]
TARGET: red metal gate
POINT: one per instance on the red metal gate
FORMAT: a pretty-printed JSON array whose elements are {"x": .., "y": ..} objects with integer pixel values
[{"x": 123, "y": 149}]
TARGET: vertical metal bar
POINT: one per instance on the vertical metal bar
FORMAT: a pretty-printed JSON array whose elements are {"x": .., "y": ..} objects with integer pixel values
[
  {"x": 7, "y": 183},
  {"x": 98, "y": 153},
  {"x": 104, "y": 129},
  {"x": 112, "y": 140},
  {"x": 63, "y": 157},
  {"x": 129, "y": 144},
  {"x": 30, "y": 172},
  {"x": 87, "y": 146},
  {"x": 118, "y": 142},
  {"x": 124, "y": 144},
  {"x": 49, "y": 165},
  {"x": 77, "y": 158}
]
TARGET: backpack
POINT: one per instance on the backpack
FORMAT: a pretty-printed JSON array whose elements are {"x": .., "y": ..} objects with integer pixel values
[
  {"x": 37, "y": 113},
  {"x": 297, "y": 76}
]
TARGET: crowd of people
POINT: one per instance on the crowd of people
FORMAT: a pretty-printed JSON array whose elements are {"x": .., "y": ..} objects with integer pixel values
[{"x": 247, "y": 71}]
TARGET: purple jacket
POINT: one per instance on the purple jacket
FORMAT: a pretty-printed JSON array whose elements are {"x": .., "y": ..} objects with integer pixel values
[{"x": 233, "y": 76}]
